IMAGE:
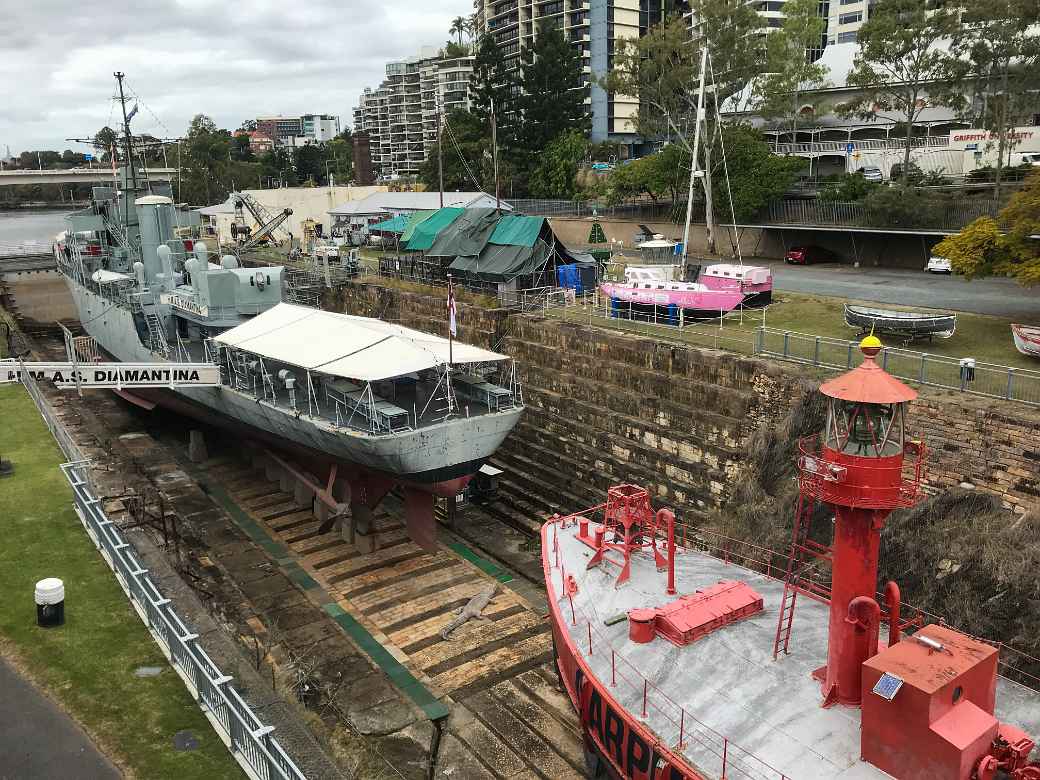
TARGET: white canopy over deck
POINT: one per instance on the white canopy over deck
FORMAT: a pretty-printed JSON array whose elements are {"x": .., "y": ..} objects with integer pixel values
[{"x": 342, "y": 345}]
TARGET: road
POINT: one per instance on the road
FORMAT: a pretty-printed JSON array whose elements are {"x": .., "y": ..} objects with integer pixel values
[
  {"x": 40, "y": 741},
  {"x": 1001, "y": 297}
]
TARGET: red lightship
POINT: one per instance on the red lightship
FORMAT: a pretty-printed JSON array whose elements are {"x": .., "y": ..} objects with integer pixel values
[{"x": 685, "y": 663}]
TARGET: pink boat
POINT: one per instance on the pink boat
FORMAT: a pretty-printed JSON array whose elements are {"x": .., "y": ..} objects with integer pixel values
[
  {"x": 756, "y": 282},
  {"x": 652, "y": 286}
]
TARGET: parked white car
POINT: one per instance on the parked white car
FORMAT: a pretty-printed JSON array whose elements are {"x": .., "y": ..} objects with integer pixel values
[
  {"x": 872, "y": 173},
  {"x": 938, "y": 265}
]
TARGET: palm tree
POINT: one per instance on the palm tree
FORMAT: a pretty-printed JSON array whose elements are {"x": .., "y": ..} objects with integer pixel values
[{"x": 458, "y": 25}]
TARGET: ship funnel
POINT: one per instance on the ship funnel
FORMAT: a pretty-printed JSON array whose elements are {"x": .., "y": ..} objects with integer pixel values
[
  {"x": 229, "y": 261},
  {"x": 166, "y": 261},
  {"x": 202, "y": 252},
  {"x": 140, "y": 275},
  {"x": 155, "y": 219}
]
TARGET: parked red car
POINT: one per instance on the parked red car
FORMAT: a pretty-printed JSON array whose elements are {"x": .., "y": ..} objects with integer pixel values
[{"x": 810, "y": 253}]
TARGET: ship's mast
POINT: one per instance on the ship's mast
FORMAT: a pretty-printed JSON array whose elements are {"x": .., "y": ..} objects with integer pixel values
[{"x": 128, "y": 143}]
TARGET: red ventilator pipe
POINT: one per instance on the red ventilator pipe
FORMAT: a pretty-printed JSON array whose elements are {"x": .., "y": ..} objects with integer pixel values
[
  {"x": 892, "y": 600},
  {"x": 666, "y": 515}
]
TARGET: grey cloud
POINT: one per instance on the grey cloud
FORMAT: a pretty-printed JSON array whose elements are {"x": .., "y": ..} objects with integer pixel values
[{"x": 184, "y": 57}]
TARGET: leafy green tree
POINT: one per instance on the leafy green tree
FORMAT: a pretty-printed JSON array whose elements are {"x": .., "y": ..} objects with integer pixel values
[
  {"x": 554, "y": 177},
  {"x": 665, "y": 174},
  {"x": 553, "y": 100},
  {"x": 278, "y": 164},
  {"x": 466, "y": 145},
  {"x": 902, "y": 207},
  {"x": 205, "y": 154},
  {"x": 104, "y": 140},
  {"x": 847, "y": 188},
  {"x": 663, "y": 68},
  {"x": 452, "y": 49},
  {"x": 976, "y": 251},
  {"x": 902, "y": 65},
  {"x": 240, "y": 150},
  {"x": 999, "y": 40},
  {"x": 756, "y": 175},
  {"x": 490, "y": 83},
  {"x": 340, "y": 153},
  {"x": 981, "y": 249},
  {"x": 310, "y": 164},
  {"x": 791, "y": 73}
]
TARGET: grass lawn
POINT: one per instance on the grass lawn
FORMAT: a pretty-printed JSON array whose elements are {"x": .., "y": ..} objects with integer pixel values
[{"x": 87, "y": 665}]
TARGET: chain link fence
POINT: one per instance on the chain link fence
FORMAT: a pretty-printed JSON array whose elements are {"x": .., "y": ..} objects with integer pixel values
[
  {"x": 249, "y": 740},
  {"x": 964, "y": 375}
]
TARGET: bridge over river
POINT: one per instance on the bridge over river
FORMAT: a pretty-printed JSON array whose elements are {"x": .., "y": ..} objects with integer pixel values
[{"x": 74, "y": 175}]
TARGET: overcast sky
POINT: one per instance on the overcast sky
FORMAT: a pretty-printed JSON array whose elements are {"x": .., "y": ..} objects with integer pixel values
[{"x": 231, "y": 61}]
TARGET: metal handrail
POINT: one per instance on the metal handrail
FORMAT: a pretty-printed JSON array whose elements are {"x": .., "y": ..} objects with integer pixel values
[
  {"x": 247, "y": 738},
  {"x": 976, "y": 378}
]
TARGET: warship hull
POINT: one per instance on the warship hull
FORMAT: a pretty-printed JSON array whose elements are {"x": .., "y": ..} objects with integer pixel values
[{"x": 438, "y": 458}]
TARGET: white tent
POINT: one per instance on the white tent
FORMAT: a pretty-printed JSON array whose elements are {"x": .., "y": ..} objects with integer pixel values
[{"x": 360, "y": 348}]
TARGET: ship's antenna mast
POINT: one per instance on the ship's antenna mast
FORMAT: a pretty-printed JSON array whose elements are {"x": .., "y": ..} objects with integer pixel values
[{"x": 128, "y": 143}]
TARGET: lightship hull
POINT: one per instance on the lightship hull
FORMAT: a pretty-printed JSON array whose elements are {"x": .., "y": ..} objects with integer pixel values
[{"x": 616, "y": 741}]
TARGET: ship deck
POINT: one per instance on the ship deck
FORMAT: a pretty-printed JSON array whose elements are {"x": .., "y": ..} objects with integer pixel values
[
  {"x": 404, "y": 411},
  {"x": 727, "y": 683}
]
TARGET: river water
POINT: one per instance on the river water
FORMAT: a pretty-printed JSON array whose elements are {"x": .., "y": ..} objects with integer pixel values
[{"x": 26, "y": 226}]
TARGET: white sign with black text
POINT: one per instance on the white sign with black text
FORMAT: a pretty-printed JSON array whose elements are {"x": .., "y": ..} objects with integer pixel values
[{"x": 69, "y": 376}]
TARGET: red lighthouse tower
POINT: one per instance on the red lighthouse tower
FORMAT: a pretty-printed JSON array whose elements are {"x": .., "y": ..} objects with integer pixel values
[{"x": 858, "y": 465}]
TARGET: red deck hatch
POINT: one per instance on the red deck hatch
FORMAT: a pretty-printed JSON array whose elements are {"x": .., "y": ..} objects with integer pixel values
[{"x": 691, "y": 617}]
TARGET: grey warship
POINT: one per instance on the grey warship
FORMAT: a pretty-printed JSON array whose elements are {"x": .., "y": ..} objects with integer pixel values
[{"x": 367, "y": 404}]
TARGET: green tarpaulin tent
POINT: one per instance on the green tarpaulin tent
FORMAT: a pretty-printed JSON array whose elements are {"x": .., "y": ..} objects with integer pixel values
[
  {"x": 414, "y": 219},
  {"x": 514, "y": 230},
  {"x": 393, "y": 225},
  {"x": 426, "y": 231},
  {"x": 467, "y": 235}
]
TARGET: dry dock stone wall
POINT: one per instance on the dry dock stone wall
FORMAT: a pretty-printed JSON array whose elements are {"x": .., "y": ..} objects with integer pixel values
[{"x": 605, "y": 407}]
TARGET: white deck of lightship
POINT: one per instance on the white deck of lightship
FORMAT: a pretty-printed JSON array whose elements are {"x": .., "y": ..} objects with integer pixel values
[{"x": 769, "y": 710}]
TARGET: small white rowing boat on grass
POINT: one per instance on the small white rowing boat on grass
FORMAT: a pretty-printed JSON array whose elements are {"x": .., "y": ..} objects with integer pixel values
[{"x": 1027, "y": 339}]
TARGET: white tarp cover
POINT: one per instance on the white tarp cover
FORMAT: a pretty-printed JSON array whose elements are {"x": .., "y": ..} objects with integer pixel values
[
  {"x": 102, "y": 276},
  {"x": 342, "y": 345}
]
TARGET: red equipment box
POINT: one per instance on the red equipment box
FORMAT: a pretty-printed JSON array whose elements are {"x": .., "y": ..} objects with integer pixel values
[{"x": 928, "y": 705}]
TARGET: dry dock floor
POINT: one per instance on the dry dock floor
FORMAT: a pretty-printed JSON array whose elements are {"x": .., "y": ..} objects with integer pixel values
[{"x": 509, "y": 713}]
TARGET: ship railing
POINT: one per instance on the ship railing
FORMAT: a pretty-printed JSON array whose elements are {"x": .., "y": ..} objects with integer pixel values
[
  {"x": 867, "y": 482},
  {"x": 678, "y": 730}
]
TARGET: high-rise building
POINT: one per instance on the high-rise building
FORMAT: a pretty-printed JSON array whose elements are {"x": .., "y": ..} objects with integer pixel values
[
  {"x": 845, "y": 19},
  {"x": 309, "y": 128},
  {"x": 400, "y": 116},
  {"x": 772, "y": 15},
  {"x": 593, "y": 27}
]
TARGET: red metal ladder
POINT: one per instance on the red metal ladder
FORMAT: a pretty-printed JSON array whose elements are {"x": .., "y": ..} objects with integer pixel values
[{"x": 802, "y": 548}]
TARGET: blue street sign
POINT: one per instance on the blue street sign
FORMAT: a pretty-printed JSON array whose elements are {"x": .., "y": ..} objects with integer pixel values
[
  {"x": 88, "y": 157},
  {"x": 850, "y": 148}
]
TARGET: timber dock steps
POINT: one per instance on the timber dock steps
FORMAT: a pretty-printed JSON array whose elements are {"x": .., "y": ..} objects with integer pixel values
[{"x": 496, "y": 675}]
